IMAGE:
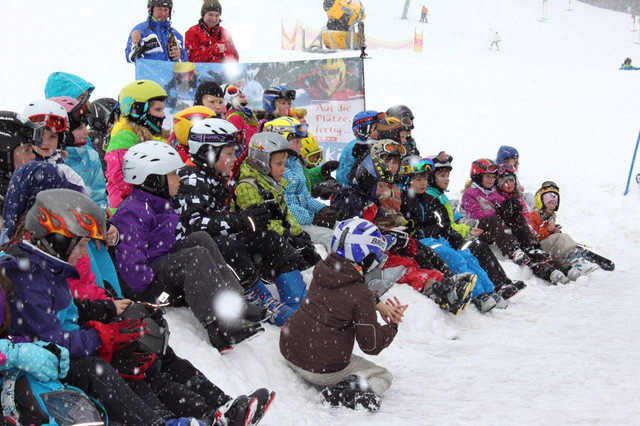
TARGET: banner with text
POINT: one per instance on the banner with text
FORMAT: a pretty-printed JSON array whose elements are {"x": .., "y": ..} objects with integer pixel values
[{"x": 331, "y": 90}]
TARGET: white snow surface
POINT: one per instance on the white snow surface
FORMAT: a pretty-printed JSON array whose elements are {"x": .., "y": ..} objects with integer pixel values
[{"x": 557, "y": 355}]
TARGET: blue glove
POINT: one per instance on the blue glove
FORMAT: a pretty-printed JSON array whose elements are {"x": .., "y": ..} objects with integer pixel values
[
  {"x": 32, "y": 358},
  {"x": 61, "y": 353}
]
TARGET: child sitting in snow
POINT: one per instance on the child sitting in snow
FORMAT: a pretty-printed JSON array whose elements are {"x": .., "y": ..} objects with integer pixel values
[
  {"x": 317, "y": 340},
  {"x": 319, "y": 180},
  {"x": 551, "y": 238}
]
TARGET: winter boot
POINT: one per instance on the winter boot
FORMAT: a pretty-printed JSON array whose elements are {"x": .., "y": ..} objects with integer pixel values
[
  {"x": 255, "y": 313},
  {"x": 537, "y": 255},
  {"x": 223, "y": 335},
  {"x": 291, "y": 288},
  {"x": 265, "y": 398},
  {"x": 510, "y": 289},
  {"x": 520, "y": 258},
  {"x": 501, "y": 303},
  {"x": 352, "y": 392},
  {"x": 261, "y": 296},
  {"x": 484, "y": 303},
  {"x": 238, "y": 412},
  {"x": 557, "y": 277}
]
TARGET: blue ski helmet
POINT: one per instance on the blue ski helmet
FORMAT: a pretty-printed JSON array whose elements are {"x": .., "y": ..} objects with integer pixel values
[
  {"x": 505, "y": 152},
  {"x": 359, "y": 241},
  {"x": 363, "y": 122},
  {"x": 273, "y": 93}
]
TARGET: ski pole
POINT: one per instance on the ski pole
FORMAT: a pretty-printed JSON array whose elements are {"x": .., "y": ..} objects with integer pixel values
[{"x": 635, "y": 151}]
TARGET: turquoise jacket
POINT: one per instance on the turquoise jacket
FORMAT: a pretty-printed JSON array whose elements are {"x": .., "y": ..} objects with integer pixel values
[{"x": 85, "y": 161}]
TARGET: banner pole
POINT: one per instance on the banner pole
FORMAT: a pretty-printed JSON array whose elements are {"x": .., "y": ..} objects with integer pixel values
[
  {"x": 633, "y": 160},
  {"x": 363, "y": 56}
]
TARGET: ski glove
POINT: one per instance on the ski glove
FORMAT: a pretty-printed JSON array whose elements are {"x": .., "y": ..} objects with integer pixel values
[
  {"x": 326, "y": 189},
  {"x": 255, "y": 218},
  {"x": 326, "y": 217},
  {"x": 118, "y": 335},
  {"x": 328, "y": 167},
  {"x": 400, "y": 236},
  {"x": 35, "y": 359},
  {"x": 132, "y": 365},
  {"x": 509, "y": 207}
]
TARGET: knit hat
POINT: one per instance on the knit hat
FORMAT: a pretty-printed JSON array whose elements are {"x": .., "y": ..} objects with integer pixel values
[
  {"x": 207, "y": 88},
  {"x": 211, "y": 6}
]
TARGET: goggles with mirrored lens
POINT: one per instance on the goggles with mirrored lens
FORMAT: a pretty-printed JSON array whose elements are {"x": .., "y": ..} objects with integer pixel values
[
  {"x": 55, "y": 123},
  {"x": 423, "y": 165},
  {"x": 232, "y": 90},
  {"x": 393, "y": 148}
]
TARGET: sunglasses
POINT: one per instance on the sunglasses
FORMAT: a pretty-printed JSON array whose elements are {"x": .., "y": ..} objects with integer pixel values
[
  {"x": 287, "y": 94},
  {"x": 393, "y": 148},
  {"x": 232, "y": 90},
  {"x": 422, "y": 165},
  {"x": 54, "y": 123},
  {"x": 507, "y": 170},
  {"x": 231, "y": 138}
]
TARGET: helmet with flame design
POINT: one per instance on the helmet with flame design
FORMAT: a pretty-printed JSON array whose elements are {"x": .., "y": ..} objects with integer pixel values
[{"x": 60, "y": 218}]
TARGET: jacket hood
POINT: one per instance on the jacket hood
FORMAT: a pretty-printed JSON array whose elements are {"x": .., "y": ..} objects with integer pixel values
[
  {"x": 16, "y": 255},
  {"x": 65, "y": 84},
  {"x": 336, "y": 272}
]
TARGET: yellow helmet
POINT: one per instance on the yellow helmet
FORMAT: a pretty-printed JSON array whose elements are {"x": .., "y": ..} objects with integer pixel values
[
  {"x": 288, "y": 127},
  {"x": 334, "y": 66},
  {"x": 547, "y": 186},
  {"x": 134, "y": 96},
  {"x": 309, "y": 148},
  {"x": 183, "y": 67},
  {"x": 185, "y": 119}
]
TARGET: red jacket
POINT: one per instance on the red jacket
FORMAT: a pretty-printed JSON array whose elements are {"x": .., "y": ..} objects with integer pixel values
[{"x": 202, "y": 44}]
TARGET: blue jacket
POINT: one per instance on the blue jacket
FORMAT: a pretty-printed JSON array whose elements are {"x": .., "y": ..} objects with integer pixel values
[
  {"x": 42, "y": 307},
  {"x": 161, "y": 29},
  {"x": 85, "y": 161},
  {"x": 301, "y": 204},
  {"x": 147, "y": 225},
  {"x": 65, "y": 84},
  {"x": 346, "y": 163}
]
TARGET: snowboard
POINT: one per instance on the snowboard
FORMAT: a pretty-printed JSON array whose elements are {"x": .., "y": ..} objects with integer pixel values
[{"x": 601, "y": 261}]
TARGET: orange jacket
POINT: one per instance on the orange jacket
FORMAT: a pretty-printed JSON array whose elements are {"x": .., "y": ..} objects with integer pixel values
[{"x": 540, "y": 225}]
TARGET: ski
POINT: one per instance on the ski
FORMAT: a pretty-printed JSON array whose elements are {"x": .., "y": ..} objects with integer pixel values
[{"x": 601, "y": 261}]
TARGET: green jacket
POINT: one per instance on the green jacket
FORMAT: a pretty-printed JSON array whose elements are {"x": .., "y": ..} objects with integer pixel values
[
  {"x": 247, "y": 194},
  {"x": 461, "y": 228},
  {"x": 314, "y": 176}
]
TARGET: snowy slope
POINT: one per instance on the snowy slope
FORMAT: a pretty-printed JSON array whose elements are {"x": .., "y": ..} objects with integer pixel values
[{"x": 558, "y": 354}]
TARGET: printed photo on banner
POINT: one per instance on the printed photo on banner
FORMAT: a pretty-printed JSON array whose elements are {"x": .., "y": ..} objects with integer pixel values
[{"x": 330, "y": 90}]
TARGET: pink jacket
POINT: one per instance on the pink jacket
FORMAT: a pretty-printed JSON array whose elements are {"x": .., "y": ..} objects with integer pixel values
[
  {"x": 478, "y": 202},
  {"x": 85, "y": 287},
  {"x": 117, "y": 188}
]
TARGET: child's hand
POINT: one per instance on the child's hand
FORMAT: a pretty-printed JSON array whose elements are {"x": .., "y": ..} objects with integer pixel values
[
  {"x": 391, "y": 311},
  {"x": 551, "y": 226},
  {"x": 121, "y": 305},
  {"x": 476, "y": 232}
]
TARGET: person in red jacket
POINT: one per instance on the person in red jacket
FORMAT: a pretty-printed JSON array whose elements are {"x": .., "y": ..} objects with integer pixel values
[{"x": 208, "y": 41}]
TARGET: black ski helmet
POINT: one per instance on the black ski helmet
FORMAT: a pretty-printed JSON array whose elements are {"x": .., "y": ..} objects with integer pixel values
[
  {"x": 160, "y": 3},
  {"x": 101, "y": 111},
  {"x": 16, "y": 130},
  {"x": 401, "y": 111}
]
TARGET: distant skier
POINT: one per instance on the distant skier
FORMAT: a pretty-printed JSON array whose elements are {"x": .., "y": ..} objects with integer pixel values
[
  {"x": 423, "y": 16},
  {"x": 495, "y": 41},
  {"x": 626, "y": 66}
]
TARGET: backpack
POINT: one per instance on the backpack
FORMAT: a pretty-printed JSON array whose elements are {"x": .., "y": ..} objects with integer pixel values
[{"x": 27, "y": 401}]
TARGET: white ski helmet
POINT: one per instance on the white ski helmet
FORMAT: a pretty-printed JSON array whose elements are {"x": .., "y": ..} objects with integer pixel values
[
  {"x": 49, "y": 112},
  {"x": 214, "y": 132},
  {"x": 149, "y": 158},
  {"x": 262, "y": 146}
]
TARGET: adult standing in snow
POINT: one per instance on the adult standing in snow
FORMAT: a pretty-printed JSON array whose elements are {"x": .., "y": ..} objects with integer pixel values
[
  {"x": 208, "y": 41},
  {"x": 155, "y": 38},
  {"x": 495, "y": 40},
  {"x": 423, "y": 15}
]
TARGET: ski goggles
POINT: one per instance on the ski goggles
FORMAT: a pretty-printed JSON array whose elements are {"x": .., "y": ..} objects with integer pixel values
[
  {"x": 369, "y": 120},
  {"x": 189, "y": 75},
  {"x": 392, "y": 148},
  {"x": 299, "y": 130},
  {"x": 491, "y": 168},
  {"x": 55, "y": 123},
  {"x": 318, "y": 158},
  {"x": 80, "y": 113},
  {"x": 549, "y": 186},
  {"x": 443, "y": 158},
  {"x": 287, "y": 94},
  {"x": 507, "y": 170},
  {"x": 227, "y": 139},
  {"x": 423, "y": 165},
  {"x": 407, "y": 122},
  {"x": 31, "y": 135},
  {"x": 232, "y": 90},
  {"x": 331, "y": 72}
]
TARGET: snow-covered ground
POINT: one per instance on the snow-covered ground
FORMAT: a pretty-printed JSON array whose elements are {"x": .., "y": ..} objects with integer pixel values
[{"x": 557, "y": 355}]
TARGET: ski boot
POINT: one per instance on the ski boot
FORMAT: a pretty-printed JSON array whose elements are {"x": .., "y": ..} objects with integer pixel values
[
  {"x": 352, "y": 392},
  {"x": 537, "y": 256},
  {"x": 291, "y": 288},
  {"x": 484, "y": 303},
  {"x": 459, "y": 294},
  {"x": 261, "y": 296},
  {"x": 501, "y": 303},
  {"x": 510, "y": 289},
  {"x": 557, "y": 277},
  {"x": 520, "y": 258},
  {"x": 224, "y": 335},
  {"x": 238, "y": 412},
  {"x": 265, "y": 398}
]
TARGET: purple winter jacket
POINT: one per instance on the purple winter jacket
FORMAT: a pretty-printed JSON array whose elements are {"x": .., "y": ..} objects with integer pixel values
[
  {"x": 147, "y": 225},
  {"x": 478, "y": 202},
  {"x": 41, "y": 307}
]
